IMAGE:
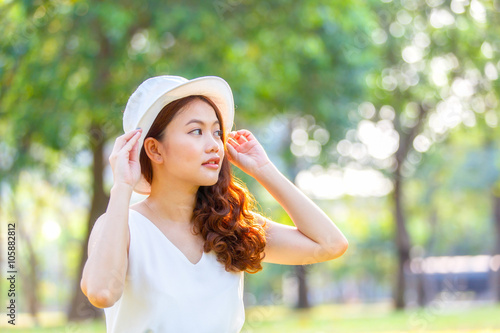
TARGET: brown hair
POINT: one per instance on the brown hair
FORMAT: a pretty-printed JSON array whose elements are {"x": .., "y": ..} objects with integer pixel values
[{"x": 223, "y": 212}]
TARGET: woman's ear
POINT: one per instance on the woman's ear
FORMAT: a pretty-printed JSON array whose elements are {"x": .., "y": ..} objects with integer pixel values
[{"x": 153, "y": 150}]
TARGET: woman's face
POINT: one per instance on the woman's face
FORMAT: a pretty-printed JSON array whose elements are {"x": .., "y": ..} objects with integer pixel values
[{"x": 193, "y": 137}]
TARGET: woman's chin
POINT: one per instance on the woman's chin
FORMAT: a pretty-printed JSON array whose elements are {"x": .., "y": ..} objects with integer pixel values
[
  {"x": 212, "y": 183},
  {"x": 209, "y": 182}
]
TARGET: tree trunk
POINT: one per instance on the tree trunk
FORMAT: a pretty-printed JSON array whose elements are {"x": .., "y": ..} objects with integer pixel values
[
  {"x": 422, "y": 289},
  {"x": 496, "y": 221},
  {"x": 402, "y": 243},
  {"x": 402, "y": 237},
  {"x": 80, "y": 306},
  {"x": 30, "y": 275},
  {"x": 421, "y": 295},
  {"x": 302, "y": 300}
]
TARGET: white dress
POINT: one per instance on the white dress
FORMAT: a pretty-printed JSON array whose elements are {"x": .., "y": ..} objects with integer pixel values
[{"x": 164, "y": 292}]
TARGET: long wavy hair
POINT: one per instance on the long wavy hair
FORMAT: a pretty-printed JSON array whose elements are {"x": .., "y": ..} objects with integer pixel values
[{"x": 223, "y": 213}]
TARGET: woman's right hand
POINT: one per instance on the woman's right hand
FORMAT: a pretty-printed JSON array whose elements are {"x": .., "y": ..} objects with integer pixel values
[{"x": 124, "y": 163}]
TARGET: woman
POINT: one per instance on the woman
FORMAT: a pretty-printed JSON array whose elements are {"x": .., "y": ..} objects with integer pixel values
[{"x": 175, "y": 261}]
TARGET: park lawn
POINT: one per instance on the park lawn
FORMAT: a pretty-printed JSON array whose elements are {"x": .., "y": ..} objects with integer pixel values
[
  {"x": 373, "y": 318},
  {"x": 338, "y": 319}
]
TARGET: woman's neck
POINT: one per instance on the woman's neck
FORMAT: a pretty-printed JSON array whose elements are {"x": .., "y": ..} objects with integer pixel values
[{"x": 173, "y": 203}]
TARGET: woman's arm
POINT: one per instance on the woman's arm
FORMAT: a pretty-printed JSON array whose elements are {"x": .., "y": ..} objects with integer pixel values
[
  {"x": 314, "y": 239},
  {"x": 104, "y": 273}
]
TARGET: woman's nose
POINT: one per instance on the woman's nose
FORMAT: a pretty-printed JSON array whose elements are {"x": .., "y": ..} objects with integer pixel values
[
  {"x": 213, "y": 145},
  {"x": 214, "y": 148}
]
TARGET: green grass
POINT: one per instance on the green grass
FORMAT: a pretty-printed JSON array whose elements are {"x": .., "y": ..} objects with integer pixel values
[
  {"x": 372, "y": 318},
  {"x": 326, "y": 319}
]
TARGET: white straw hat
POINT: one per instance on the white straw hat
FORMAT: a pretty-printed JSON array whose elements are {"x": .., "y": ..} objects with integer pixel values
[{"x": 153, "y": 94}]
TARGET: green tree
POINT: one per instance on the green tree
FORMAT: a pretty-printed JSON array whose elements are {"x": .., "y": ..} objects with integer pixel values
[{"x": 431, "y": 62}]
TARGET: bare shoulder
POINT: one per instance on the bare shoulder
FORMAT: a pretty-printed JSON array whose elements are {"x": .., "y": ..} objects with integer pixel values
[
  {"x": 136, "y": 206},
  {"x": 139, "y": 207}
]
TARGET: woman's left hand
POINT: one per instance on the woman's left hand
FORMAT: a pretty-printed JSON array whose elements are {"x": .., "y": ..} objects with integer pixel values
[{"x": 246, "y": 152}]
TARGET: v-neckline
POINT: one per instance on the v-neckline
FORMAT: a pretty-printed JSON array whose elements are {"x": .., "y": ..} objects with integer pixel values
[{"x": 170, "y": 242}]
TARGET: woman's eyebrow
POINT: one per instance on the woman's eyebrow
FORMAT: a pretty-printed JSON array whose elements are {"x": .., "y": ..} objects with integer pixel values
[{"x": 199, "y": 122}]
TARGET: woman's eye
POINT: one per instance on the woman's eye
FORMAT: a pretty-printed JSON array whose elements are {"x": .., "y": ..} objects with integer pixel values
[{"x": 219, "y": 132}]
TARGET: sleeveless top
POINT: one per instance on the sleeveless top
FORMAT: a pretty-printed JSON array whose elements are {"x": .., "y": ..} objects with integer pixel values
[{"x": 164, "y": 292}]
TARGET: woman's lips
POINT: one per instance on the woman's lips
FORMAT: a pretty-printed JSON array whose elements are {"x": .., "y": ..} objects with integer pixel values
[{"x": 211, "y": 166}]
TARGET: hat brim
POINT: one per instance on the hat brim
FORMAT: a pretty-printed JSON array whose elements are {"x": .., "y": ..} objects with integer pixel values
[{"x": 213, "y": 87}]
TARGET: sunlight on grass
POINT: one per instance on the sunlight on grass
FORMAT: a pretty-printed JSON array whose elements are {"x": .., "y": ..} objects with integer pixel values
[
  {"x": 358, "y": 318},
  {"x": 372, "y": 318}
]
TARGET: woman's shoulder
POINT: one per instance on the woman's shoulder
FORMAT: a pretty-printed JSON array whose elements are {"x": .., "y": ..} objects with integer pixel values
[
  {"x": 138, "y": 207},
  {"x": 137, "y": 213}
]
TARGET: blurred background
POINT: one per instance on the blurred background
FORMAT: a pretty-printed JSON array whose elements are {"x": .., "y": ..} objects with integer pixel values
[{"x": 385, "y": 113}]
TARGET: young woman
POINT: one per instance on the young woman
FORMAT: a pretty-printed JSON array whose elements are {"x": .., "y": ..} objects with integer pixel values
[{"x": 175, "y": 261}]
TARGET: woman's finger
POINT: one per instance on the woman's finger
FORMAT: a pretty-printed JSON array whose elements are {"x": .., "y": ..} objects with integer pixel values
[
  {"x": 133, "y": 153},
  {"x": 241, "y": 137},
  {"x": 247, "y": 135},
  {"x": 130, "y": 143},
  {"x": 128, "y": 135},
  {"x": 232, "y": 142},
  {"x": 122, "y": 140},
  {"x": 231, "y": 151}
]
